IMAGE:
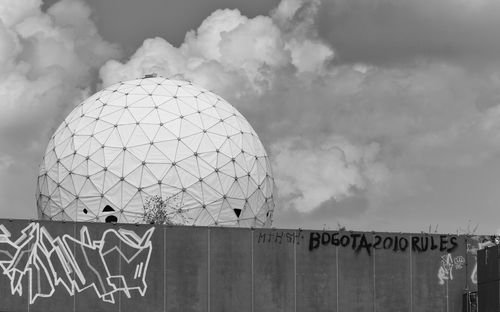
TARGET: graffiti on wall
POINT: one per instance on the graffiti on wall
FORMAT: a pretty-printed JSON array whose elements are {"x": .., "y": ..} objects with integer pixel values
[
  {"x": 396, "y": 243},
  {"x": 116, "y": 262},
  {"x": 448, "y": 264}
]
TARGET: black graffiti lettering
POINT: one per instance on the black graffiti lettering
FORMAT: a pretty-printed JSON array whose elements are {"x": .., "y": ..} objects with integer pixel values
[
  {"x": 325, "y": 238},
  {"x": 433, "y": 244},
  {"x": 396, "y": 243},
  {"x": 345, "y": 240},
  {"x": 443, "y": 241},
  {"x": 363, "y": 243},
  {"x": 262, "y": 238},
  {"x": 424, "y": 243},
  {"x": 387, "y": 243},
  {"x": 414, "y": 244},
  {"x": 377, "y": 242},
  {"x": 454, "y": 245},
  {"x": 314, "y": 240},
  {"x": 355, "y": 240},
  {"x": 289, "y": 237},
  {"x": 335, "y": 240},
  {"x": 403, "y": 243},
  {"x": 278, "y": 238}
]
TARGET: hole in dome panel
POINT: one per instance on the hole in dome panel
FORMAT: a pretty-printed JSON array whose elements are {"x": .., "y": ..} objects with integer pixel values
[
  {"x": 230, "y": 269},
  {"x": 186, "y": 266}
]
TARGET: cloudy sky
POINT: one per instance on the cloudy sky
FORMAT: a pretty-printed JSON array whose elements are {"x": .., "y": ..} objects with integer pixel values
[{"x": 378, "y": 114}]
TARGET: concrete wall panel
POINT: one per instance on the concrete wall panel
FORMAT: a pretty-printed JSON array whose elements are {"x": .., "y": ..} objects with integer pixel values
[
  {"x": 316, "y": 273},
  {"x": 186, "y": 263},
  {"x": 355, "y": 274},
  {"x": 392, "y": 272},
  {"x": 10, "y": 233},
  {"x": 428, "y": 292},
  {"x": 96, "y": 282},
  {"x": 50, "y": 240},
  {"x": 142, "y": 266},
  {"x": 274, "y": 272},
  {"x": 230, "y": 270}
]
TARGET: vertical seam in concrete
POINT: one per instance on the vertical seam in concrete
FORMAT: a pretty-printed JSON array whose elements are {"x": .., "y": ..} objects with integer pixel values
[
  {"x": 120, "y": 270},
  {"x": 337, "y": 268},
  {"x": 164, "y": 268},
  {"x": 295, "y": 274},
  {"x": 208, "y": 270},
  {"x": 447, "y": 307},
  {"x": 374, "y": 278},
  {"x": 411, "y": 274},
  {"x": 251, "y": 234}
]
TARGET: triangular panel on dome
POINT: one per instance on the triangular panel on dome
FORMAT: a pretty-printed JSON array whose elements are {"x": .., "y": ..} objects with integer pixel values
[
  {"x": 155, "y": 155},
  {"x": 194, "y": 141},
  {"x": 150, "y": 131},
  {"x": 206, "y": 145},
  {"x": 188, "y": 128},
  {"x": 139, "y": 151},
  {"x": 116, "y": 166},
  {"x": 136, "y": 98},
  {"x": 148, "y": 178},
  {"x": 127, "y": 118},
  {"x": 256, "y": 200},
  {"x": 128, "y": 191},
  {"x": 167, "y": 191},
  {"x": 188, "y": 201},
  {"x": 135, "y": 176},
  {"x": 164, "y": 134},
  {"x": 207, "y": 162},
  {"x": 135, "y": 205},
  {"x": 235, "y": 191},
  {"x": 158, "y": 169},
  {"x": 114, "y": 140},
  {"x": 208, "y": 214},
  {"x": 196, "y": 192},
  {"x": 111, "y": 114},
  {"x": 149, "y": 191},
  {"x": 112, "y": 154},
  {"x": 153, "y": 118},
  {"x": 130, "y": 163},
  {"x": 71, "y": 210},
  {"x": 139, "y": 113},
  {"x": 212, "y": 188},
  {"x": 219, "y": 130},
  {"x": 110, "y": 180},
  {"x": 77, "y": 181},
  {"x": 91, "y": 188},
  {"x": 65, "y": 148},
  {"x": 168, "y": 149},
  {"x": 186, "y": 105},
  {"x": 183, "y": 151},
  {"x": 85, "y": 126},
  {"x": 186, "y": 178},
  {"x": 103, "y": 134}
]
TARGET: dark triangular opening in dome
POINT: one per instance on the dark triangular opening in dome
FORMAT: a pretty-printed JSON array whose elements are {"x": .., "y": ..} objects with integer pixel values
[{"x": 237, "y": 211}]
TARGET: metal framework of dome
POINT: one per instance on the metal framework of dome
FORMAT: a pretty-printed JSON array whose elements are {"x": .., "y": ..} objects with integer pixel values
[{"x": 156, "y": 137}]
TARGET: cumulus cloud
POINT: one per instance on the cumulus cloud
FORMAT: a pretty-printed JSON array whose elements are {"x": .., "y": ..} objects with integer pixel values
[
  {"x": 49, "y": 62},
  {"x": 309, "y": 174},
  {"x": 229, "y": 49}
]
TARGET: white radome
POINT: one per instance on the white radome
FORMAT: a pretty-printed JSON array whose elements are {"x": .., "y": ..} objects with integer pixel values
[{"x": 156, "y": 136}]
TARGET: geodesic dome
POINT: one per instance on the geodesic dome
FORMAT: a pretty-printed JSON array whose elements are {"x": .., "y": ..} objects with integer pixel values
[{"x": 155, "y": 136}]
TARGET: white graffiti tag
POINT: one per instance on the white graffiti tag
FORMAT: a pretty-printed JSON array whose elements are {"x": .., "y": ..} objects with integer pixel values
[
  {"x": 448, "y": 264},
  {"x": 118, "y": 261}
]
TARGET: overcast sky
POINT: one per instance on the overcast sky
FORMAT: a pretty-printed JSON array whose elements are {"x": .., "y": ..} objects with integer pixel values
[{"x": 378, "y": 114}]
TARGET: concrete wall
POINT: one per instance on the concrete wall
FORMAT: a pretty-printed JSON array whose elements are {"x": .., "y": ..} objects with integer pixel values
[{"x": 52, "y": 266}]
